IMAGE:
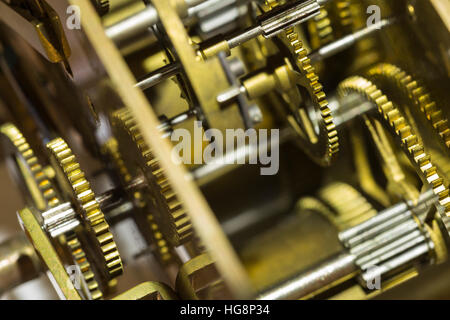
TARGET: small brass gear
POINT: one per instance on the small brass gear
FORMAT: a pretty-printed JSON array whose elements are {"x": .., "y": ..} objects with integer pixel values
[
  {"x": 47, "y": 197},
  {"x": 345, "y": 15},
  {"x": 410, "y": 142},
  {"x": 389, "y": 75},
  {"x": 350, "y": 206},
  {"x": 318, "y": 138},
  {"x": 85, "y": 267},
  {"x": 77, "y": 188},
  {"x": 170, "y": 215},
  {"x": 320, "y": 29}
]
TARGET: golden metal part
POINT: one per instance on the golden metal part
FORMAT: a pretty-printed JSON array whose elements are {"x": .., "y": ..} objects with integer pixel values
[
  {"x": 213, "y": 237},
  {"x": 162, "y": 249},
  {"x": 321, "y": 143},
  {"x": 77, "y": 188},
  {"x": 440, "y": 248},
  {"x": 207, "y": 78},
  {"x": 198, "y": 279},
  {"x": 345, "y": 15},
  {"x": 81, "y": 260},
  {"x": 39, "y": 186},
  {"x": 19, "y": 262},
  {"x": 224, "y": 231},
  {"x": 170, "y": 214},
  {"x": 365, "y": 176},
  {"x": 335, "y": 20},
  {"x": 102, "y": 6},
  {"x": 321, "y": 29},
  {"x": 148, "y": 291},
  {"x": 398, "y": 183},
  {"x": 402, "y": 85},
  {"x": 43, "y": 31},
  {"x": 408, "y": 138},
  {"x": 48, "y": 254},
  {"x": 349, "y": 205}
]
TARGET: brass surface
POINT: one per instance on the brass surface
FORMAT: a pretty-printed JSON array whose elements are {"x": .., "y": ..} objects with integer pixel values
[{"x": 362, "y": 155}]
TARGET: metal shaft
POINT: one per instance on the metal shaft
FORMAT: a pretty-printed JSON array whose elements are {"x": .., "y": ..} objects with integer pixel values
[
  {"x": 142, "y": 21},
  {"x": 133, "y": 25},
  {"x": 348, "y": 41},
  {"x": 276, "y": 21},
  {"x": 317, "y": 279},
  {"x": 159, "y": 76}
]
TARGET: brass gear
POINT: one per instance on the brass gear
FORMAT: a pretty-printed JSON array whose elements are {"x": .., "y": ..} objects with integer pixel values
[
  {"x": 20, "y": 146},
  {"x": 77, "y": 188},
  {"x": 320, "y": 29},
  {"x": 170, "y": 215},
  {"x": 389, "y": 75},
  {"x": 162, "y": 249},
  {"x": 410, "y": 142},
  {"x": 345, "y": 16},
  {"x": 321, "y": 143},
  {"x": 82, "y": 261},
  {"x": 325, "y": 145},
  {"x": 323, "y": 29},
  {"x": 349, "y": 205}
]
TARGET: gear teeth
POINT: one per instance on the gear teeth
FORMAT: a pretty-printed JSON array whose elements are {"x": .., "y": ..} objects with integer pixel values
[
  {"x": 40, "y": 178},
  {"x": 315, "y": 89},
  {"x": 319, "y": 95},
  {"x": 157, "y": 238},
  {"x": 350, "y": 206},
  {"x": 321, "y": 30},
  {"x": 410, "y": 140},
  {"x": 417, "y": 94},
  {"x": 88, "y": 205},
  {"x": 172, "y": 218},
  {"x": 345, "y": 14},
  {"x": 81, "y": 260}
]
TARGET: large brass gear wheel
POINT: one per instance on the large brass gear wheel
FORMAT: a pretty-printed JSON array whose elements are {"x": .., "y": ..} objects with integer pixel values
[
  {"x": 162, "y": 250},
  {"x": 398, "y": 81},
  {"x": 409, "y": 140},
  {"x": 315, "y": 127},
  {"x": 77, "y": 189},
  {"x": 170, "y": 215}
]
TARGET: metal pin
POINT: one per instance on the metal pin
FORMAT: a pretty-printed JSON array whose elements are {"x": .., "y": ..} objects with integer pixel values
[
  {"x": 159, "y": 75},
  {"x": 348, "y": 41}
]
